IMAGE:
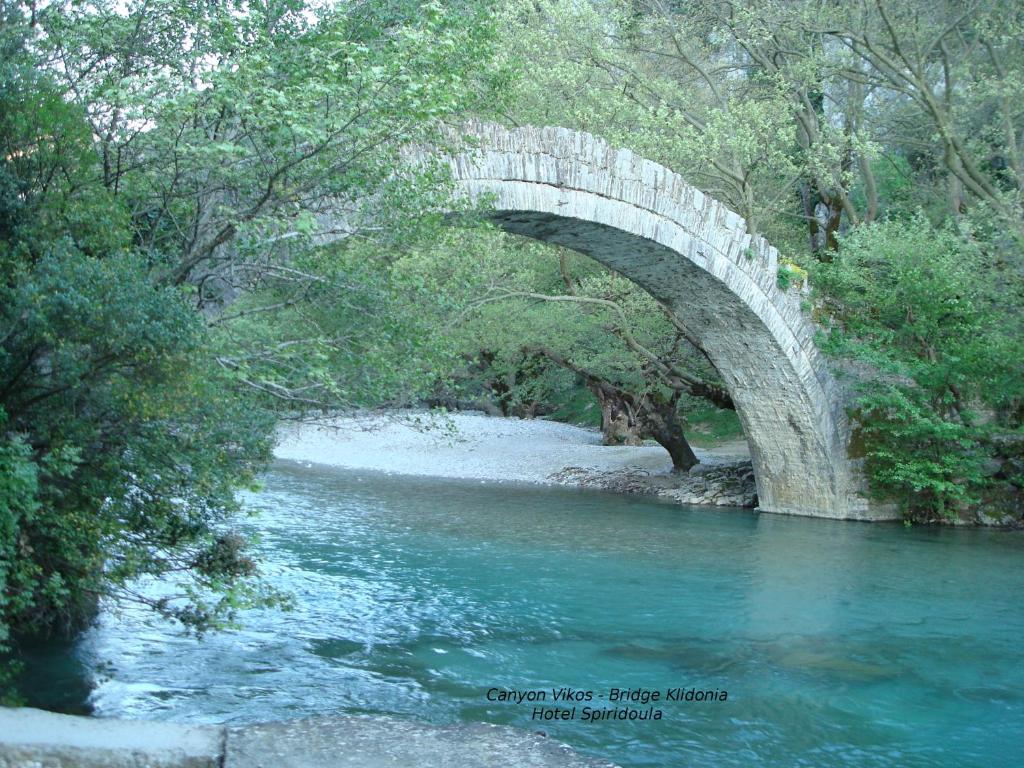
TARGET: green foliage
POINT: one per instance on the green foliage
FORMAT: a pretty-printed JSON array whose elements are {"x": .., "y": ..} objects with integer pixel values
[
  {"x": 707, "y": 425},
  {"x": 790, "y": 274},
  {"x": 497, "y": 299},
  {"x": 159, "y": 158},
  {"x": 931, "y": 463},
  {"x": 362, "y": 335},
  {"x": 639, "y": 78},
  {"x": 262, "y": 118},
  {"x": 124, "y": 443},
  {"x": 922, "y": 311}
]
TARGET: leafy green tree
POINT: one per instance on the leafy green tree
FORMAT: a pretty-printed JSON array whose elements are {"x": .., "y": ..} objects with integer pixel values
[
  {"x": 237, "y": 134},
  {"x": 531, "y": 325},
  {"x": 121, "y": 443},
  {"x": 943, "y": 378},
  {"x": 197, "y": 210}
]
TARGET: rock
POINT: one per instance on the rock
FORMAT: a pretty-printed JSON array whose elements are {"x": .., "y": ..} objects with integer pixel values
[
  {"x": 32, "y": 738},
  {"x": 721, "y": 483},
  {"x": 991, "y": 467},
  {"x": 727, "y": 484}
]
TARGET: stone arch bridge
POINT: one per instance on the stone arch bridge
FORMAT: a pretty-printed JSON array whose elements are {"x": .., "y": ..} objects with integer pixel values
[{"x": 692, "y": 253}]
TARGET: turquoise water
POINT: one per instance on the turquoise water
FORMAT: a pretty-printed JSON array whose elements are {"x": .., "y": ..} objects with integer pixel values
[{"x": 839, "y": 644}]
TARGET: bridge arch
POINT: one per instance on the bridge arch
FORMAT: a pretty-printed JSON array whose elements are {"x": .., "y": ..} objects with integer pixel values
[{"x": 689, "y": 251}]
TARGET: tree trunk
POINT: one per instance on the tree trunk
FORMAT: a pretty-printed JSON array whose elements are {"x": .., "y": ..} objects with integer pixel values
[
  {"x": 619, "y": 424},
  {"x": 627, "y": 420},
  {"x": 824, "y": 215},
  {"x": 659, "y": 420}
]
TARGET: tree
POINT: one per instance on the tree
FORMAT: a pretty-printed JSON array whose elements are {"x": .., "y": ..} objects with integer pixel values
[
  {"x": 533, "y": 323},
  {"x": 121, "y": 444},
  {"x": 188, "y": 196},
  {"x": 946, "y": 382}
]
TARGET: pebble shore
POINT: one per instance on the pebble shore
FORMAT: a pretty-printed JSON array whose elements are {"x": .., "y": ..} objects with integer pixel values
[{"x": 473, "y": 446}]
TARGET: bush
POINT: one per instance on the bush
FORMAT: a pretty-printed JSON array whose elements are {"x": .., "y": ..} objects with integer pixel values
[
  {"x": 120, "y": 446},
  {"x": 917, "y": 307}
]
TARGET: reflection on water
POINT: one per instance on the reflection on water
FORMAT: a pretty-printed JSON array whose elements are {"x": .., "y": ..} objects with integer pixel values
[{"x": 838, "y": 643}]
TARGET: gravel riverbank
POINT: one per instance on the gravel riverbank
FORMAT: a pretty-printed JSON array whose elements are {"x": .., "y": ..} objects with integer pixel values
[{"x": 473, "y": 446}]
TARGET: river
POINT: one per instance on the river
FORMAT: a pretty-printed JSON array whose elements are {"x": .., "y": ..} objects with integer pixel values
[{"x": 838, "y": 644}]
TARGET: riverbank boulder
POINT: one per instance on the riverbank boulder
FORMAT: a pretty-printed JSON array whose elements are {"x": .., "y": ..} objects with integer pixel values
[{"x": 722, "y": 483}]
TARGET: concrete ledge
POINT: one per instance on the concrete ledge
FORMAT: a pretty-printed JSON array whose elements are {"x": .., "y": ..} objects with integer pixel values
[
  {"x": 32, "y": 738},
  {"x": 384, "y": 742}
]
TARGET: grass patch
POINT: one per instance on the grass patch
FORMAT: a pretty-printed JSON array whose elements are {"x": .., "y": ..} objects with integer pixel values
[{"x": 706, "y": 426}]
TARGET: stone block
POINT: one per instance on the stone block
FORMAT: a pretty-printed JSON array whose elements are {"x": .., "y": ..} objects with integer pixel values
[{"x": 32, "y": 738}]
